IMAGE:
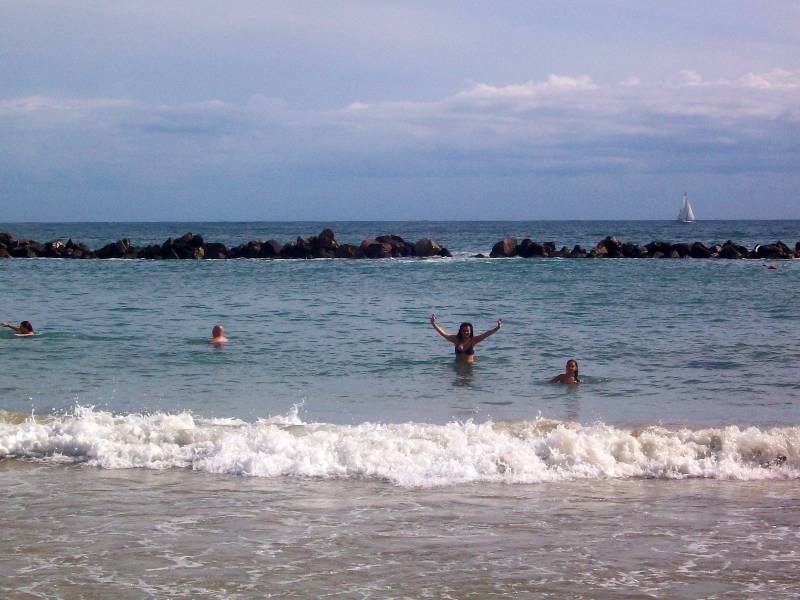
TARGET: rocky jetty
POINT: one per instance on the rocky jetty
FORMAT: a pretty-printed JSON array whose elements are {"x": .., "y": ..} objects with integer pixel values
[
  {"x": 611, "y": 247},
  {"x": 193, "y": 246},
  {"x": 325, "y": 245}
]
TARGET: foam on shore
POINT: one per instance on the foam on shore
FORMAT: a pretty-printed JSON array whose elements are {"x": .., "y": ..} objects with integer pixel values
[{"x": 406, "y": 454}]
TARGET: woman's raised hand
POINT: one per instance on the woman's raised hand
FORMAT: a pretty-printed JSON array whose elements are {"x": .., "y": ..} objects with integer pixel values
[
  {"x": 499, "y": 323},
  {"x": 433, "y": 318}
]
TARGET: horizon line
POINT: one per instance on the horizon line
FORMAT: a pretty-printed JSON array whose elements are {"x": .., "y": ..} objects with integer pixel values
[{"x": 121, "y": 222}]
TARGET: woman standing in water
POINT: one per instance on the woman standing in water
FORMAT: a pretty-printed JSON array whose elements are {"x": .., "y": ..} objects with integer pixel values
[
  {"x": 570, "y": 374},
  {"x": 465, "y": 341}
]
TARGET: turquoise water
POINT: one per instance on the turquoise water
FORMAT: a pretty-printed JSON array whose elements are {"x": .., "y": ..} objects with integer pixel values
[{"x": 676, "y": 342}]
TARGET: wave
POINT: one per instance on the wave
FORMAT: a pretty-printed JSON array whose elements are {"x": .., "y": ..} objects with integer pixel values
[{"x": 406, "y": 454}]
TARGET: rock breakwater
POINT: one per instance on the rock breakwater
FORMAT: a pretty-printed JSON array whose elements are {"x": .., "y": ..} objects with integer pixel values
[
  {"x": 611, "y": 247},
  {"x": 325, "y": 245},
  {"x": 193, "y": 246}
]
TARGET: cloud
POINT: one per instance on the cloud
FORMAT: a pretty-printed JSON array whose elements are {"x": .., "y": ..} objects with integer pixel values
[
  {"x": 553, "y": 85},
  {"x": 562, "y": 124}
]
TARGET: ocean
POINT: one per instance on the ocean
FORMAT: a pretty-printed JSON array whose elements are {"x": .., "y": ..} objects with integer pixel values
[{"x": 334, "y": 447}]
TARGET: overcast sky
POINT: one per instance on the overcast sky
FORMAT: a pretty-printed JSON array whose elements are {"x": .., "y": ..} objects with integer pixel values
[{"x": 254, "y": 110}]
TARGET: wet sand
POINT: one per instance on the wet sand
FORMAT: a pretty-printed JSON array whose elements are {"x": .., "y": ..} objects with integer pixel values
[{"x": 79, "y": 532}]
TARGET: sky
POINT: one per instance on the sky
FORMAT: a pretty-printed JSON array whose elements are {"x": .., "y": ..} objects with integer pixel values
[{"x": 197, "y": 110}]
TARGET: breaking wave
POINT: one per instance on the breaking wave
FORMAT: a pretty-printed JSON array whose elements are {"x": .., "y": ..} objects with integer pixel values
[{"x": 406, "y": 454}]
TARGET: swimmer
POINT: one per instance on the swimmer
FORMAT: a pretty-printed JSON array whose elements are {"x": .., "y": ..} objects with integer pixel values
[
  {"x": 23, "y": 330},
  {"x": 218, "y": 335},
  {"x": 465, "y": 341},
  {"x": 570, "y": 376}
]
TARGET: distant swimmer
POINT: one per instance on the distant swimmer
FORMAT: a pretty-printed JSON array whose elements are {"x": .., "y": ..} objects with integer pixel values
[
  {"x": 465, "y": 341},
  {"x": 218, "y": 335},
  {"x": 570, "y": 376},
  {"x": 24, "y": 329}
]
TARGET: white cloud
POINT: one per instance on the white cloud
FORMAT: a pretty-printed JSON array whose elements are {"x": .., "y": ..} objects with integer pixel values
[
  {"x": 561, "y": 122},
  {"x": 553, "y": 84},
  {"x": 774, "y": 79}
]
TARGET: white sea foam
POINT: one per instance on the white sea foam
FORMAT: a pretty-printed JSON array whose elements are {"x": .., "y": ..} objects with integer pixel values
[{"x": 407, "y": 454}]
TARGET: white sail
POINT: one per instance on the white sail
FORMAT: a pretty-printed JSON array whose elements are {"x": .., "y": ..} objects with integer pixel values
[{"x": 686, "y": 214}]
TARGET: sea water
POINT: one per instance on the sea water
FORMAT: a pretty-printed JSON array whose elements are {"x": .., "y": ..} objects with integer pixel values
[{"x": 333, "y": 446}]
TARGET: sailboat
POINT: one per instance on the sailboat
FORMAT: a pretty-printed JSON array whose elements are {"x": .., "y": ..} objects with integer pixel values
[{"x": 686, "y": 214}]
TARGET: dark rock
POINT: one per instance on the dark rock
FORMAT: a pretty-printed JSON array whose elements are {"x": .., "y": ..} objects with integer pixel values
[
  {"x": 6, "y": 239},
  {"x": 372, "y": 248},
  {"x": 683, "y": 249},
  {"x": 563, "y": 253},
  {"x": 578, "y": 252},
  {"x": 152, "y": 252},
  {"x": 189, "y": 246},
  {"x": 664, "y": 248},
  {"x": 427, "y": 247},
  {"x": 608, "y": 248},
  {"x": 729, "y": 251},
  {"x": 4, "y": 253},
  {"x": 772, "y": 251},
  {"x": 119, "y": 249},
  {"x": 248, "y": 250},
  {"x": 531, "y": 249},
  {"x": 23, "y": 251},
  {"x": 699, "y": 250},
  {"x": 631, "y": 250},
  {"x": 349, "y": 251},
  {"x": 400, "y": 247},
  {"x": 549, "y": 248},
  {"x": 674, "y": 254},
  {"x": 479, "y": 255},
  {"x": 301, "y": 248},
  {"x": 506, "y": 247},
  {"x": 191, "y": 240},
  {"x": 54, "y": 249},
  {"x": 742, "y": 250},
  {"x": 324, "y": 245},
  {"x": 166, "y": 250},
  {"x": 216, "y": 251},
  {"x": 445, "y": 253},
  {"x": 797, "y": 250},
  {"x": 270, "y": 249}
]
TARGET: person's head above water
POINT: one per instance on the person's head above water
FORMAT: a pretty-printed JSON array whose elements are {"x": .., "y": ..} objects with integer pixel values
[
  {"x": 465, "y": 331},
  {"x": 572, "y": 368},
  {"x": 26, "y": 327},
  {"x": 218, "y": 335}
]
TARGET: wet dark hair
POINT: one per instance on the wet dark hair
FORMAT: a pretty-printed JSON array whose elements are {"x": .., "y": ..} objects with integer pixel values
[
  {"x": 576, "y": 369},
  {"x": 461, "y": 328},
  {"x": 26, "y": 325}
]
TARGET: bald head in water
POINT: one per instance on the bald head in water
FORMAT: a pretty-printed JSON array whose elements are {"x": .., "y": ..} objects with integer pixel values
[{"x": 218, "y": 335}]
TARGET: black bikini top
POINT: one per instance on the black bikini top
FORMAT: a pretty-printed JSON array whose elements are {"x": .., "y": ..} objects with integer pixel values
[{"x": 468, "y": 351}]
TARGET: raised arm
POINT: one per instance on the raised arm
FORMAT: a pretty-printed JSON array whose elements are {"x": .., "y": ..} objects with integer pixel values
[
  {"x": 479, "y": 338},
  {"x": 449, "y": 337},
  {"x": 10, "y": 326}
]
